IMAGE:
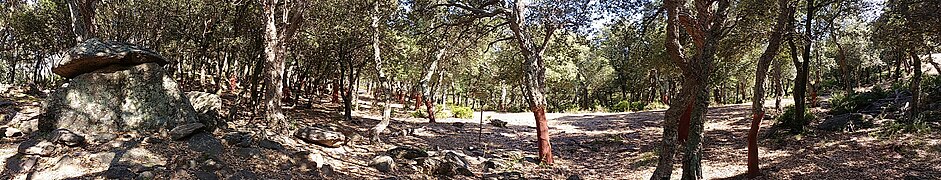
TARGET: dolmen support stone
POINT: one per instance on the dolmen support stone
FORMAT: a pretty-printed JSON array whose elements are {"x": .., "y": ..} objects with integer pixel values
[{"x": 115, "y": 87}]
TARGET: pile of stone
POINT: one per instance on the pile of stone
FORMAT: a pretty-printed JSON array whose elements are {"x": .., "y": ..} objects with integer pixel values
[{"x": 115, "y": 87}]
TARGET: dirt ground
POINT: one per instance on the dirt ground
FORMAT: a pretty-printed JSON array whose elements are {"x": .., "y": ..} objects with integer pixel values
[
  {"x": 588, "y": 146},
  {"x": 622, "y": 146}
]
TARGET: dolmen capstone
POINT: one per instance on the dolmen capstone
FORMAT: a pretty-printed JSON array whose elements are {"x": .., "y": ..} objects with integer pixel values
[{"x": 115, "y": 87}]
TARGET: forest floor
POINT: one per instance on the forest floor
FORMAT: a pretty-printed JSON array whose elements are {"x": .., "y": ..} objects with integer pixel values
[
  {"x": 622, "y": 146},
  {"x": 585, "y": 145}
]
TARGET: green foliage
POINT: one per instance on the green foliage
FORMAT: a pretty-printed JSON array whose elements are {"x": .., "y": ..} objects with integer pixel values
[
  {"x": 847, "y": 103},
  {"x": 790, "y": 119},
  {"x": 656, "y": 105},
  {"x": 931, "y": 86},
  {"x": 423, "y": 113},
  {"x": 895, "y": 128},
  {"x": 462, "y": 112}
]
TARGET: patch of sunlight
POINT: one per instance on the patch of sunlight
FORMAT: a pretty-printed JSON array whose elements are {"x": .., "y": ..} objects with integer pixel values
[{"x": 6, "y": 154}]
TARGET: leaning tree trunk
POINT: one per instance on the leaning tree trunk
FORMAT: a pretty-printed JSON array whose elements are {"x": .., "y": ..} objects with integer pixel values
[
  {"x": 758, "y": 113},
  {"x": 384, "y": 82},
  {"x": 426, "y": 92}
]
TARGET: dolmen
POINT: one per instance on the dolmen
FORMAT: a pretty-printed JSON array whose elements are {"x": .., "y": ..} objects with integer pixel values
[{"x": 115, "y": 87}]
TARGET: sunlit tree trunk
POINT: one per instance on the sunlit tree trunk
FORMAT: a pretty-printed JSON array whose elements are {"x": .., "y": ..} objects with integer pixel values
[
  {"x": 688, "y": 114},
  {"x": 274, "y": 65},
  {"x": 83, "y": 19},
  {"x": 425, "y": 90},
  {"x": 758, "y": 100},
  {"x": 383, "y": 80}
]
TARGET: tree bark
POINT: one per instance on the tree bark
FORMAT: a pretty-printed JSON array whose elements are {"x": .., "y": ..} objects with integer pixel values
[
  {"x": 383, "y": 80},
  {"x": 915, "y": 88},
  {"x": 758, "y": 98},
  {"x": 83, "y": 19},
  {"x": 275, "y": 65},
  {"x": 705, "y": 34},
  {"x": 426, "y": 92}
]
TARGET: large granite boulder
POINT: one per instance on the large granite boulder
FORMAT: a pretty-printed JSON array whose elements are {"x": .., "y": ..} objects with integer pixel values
[
  {"x": 95, "y": 55},
  {"x": 141, "y": 98}
]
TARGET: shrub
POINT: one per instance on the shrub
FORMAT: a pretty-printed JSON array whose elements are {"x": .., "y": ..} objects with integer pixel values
[
  {"x": 622, "y": 106},
  {"x": 638, "y": 106},
  {"x": 788, "y": 120},
  {"x": 462, "y": 112},
  {"x": 423, "y": 113},
  {"x": 656, "y": 105},
  {"x": 627, "y": 105},
  {"x": 931, "y": 86},
  {"x": 852, "y": 102}
]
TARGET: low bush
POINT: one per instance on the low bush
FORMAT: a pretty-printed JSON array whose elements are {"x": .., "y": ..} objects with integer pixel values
[
  {"x": 852, "y": 102},
  {"x": 462, "y": 112},
  {"x": 790, "y": 120}
]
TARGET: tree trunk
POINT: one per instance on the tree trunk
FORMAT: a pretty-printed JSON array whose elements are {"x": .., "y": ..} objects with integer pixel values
[
  {"x": 426, "y": 91},
  {"x": 777, "y": 84},
  {"x": 758, "y": 98},
  {"x": 83, "y": 19},
  {"x": 383, "y": 80},
  {"x": 274, "y": 68},
  {"x": 915, "y": 88}
]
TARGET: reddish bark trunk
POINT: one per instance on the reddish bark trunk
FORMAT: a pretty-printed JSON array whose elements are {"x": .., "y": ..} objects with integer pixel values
[
  {"x": 418, "y": 101},
  {"x": 753, "y": 170},
  {"x": 683, "y": 130},
  {"x": 431, "y": 111},
  {"x": 542, "y": 134}
]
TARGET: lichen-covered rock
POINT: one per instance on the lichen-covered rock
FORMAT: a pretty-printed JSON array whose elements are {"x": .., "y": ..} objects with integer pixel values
[
  {"x": 141, "y": 99},
  {"x": 93, "y": 55},
  {"x": 324, "y": 136},
  {"x": 847, "y": 122},
  {"x": 208, "y": 109}
]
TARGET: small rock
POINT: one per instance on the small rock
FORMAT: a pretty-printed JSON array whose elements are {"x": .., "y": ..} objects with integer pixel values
[
  {"x": 498, "y": 123},
  {"x": 248, "y": 152},
  {"x": 495, "y": 164},
  {"x": 574, "y": 177},
  {"x": 203, "y": 175},
  {"x": 317, "y": 158},
  {"x": 68, "y": 138},
  {"x": 243, "y": 174},
  {"x": 269, "y": 144},
  {"x": 146, "y": 175},
  {"x": 383, "y": 163},
  {"x": 102, "y": 137},
  {"x": 11, "y": 132},
  {"x": 204, "y": 142},
  {"x": 42, "y": 148},
  {"x": 185, "y": 130},
  {"x": 323, "y": 136},
  {"x": 240, "y": 139},
  {"x": 285, "y": 166},
  {"x": 119, "y": 172},
  {"x": 406, "y": 152},
  {"x": 153, "y": 140}
]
